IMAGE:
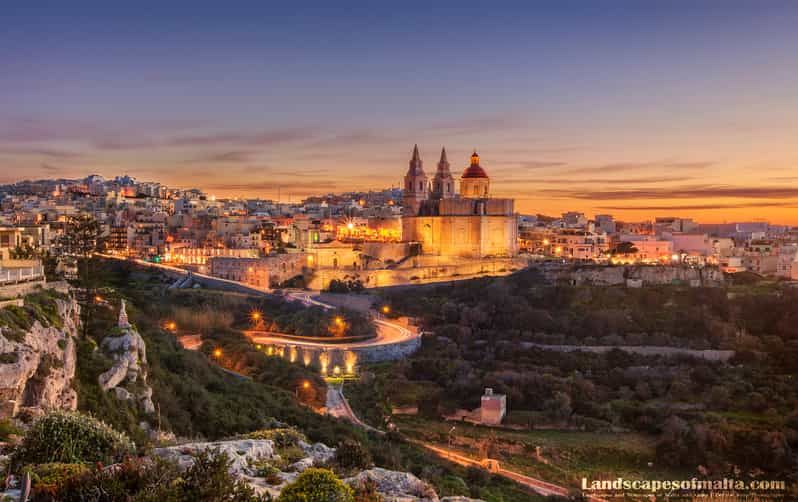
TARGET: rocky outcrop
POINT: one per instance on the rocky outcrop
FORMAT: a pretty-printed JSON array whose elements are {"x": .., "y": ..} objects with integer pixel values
[
  {"x": 395, "y": 486},
  {"x": 248, "y": 455},
  {"x": 242, "y": 453},
  {"x": 37, "y": 365},
  {"x": 128, "y": 376},
  {"x": 644, "y": 275}
]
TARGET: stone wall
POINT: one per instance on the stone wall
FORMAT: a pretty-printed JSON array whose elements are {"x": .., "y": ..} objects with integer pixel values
[
  {"x": 345, "y": 359},
  {"x": 646, "y": 350},
  {"x": 427, "y": 272},
  {"x": 608, "y": 275}
]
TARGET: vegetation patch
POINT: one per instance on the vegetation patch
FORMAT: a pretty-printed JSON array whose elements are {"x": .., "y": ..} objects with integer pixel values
[{"x": 70, "y": 437}]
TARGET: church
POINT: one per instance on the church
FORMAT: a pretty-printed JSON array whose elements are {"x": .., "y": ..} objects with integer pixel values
[{"x": 467, "y": 223}]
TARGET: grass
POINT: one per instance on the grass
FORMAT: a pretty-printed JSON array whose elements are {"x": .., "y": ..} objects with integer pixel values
[{"x": 571, "y": 455}]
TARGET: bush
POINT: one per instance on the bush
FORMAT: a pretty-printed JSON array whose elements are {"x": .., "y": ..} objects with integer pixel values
[
  {"x": 7, "y": 429},
  {"x": 317, "y": 485},
  {"x": 282, "y": 437},
  {"x": 351, "y": 455},
  {"x": 70, "y": 437},
  {"x": 47, "y": 478},
  {"x": 157, "y": 479}
]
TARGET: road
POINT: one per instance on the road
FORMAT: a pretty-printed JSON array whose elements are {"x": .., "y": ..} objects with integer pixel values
[
  {"x": 388, "y": 333},
  {"x": 338, "y": 406}
]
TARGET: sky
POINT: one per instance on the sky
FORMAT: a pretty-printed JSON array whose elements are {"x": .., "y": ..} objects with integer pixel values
[{"x": 637, "y": 109}]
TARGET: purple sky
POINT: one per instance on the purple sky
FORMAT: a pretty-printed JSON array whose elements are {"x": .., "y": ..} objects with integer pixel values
[{"x": 639, "y": 109}]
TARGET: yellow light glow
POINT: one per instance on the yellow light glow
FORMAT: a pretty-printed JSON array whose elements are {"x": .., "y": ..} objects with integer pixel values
[
  {"x": 217, "y": 353},
  {"x": 386, "y": 309}
]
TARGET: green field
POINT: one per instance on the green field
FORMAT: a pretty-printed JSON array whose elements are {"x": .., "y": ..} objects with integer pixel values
[{"x": 571, "y": 455}]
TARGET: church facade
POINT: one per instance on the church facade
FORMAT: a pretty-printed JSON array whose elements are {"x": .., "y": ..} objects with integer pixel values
[{"x": 466, "y": 223}]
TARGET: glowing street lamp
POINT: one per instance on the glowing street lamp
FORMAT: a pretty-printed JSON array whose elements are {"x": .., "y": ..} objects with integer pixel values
[
  {"x": 217, "y": 353},
  {"x": 255, "y": 315},
  {"x": 386, "y": 309}
]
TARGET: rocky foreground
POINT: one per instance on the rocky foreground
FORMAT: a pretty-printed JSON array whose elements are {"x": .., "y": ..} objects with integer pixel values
[{"x": 249, "y": 455}]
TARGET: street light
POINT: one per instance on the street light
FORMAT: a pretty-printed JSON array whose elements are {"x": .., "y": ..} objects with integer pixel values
[
  {"x": 217, "y": 353},
  {"x": 255, "y": 315},
  {"x": 386, "y": 309},
  {"x": 305, "y": 386}
]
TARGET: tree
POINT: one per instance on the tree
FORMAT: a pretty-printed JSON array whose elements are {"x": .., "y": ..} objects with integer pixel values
[
  {"x": 23, "y": 252},
  {"x": 81, "y": 239},
  {"x": 623, "y": 248}
]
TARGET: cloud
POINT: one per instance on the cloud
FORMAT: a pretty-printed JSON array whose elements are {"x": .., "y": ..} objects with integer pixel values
[
  {"x": 585, "y": 181},
  {"x": 271, "y": 137},
  {"x": 41, "y": 152},
  {"x": 529, "y": 164},
  {"x": 681, "y": 192},
  {"x": 696, "y": 207},
  {"x": 474, "y": 125},
  {"x": 621, "y": 167},
  {"x": 49, "y": 168},
  {"x": 309, "y": 186},
  {"x": 224, "y": 157}
]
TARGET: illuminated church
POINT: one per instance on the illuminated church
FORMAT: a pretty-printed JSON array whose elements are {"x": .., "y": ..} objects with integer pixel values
[{"x": 468, "y": 223}]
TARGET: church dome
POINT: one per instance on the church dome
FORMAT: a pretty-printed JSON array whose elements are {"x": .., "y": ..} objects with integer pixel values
[{"x": 474, "y": 170}]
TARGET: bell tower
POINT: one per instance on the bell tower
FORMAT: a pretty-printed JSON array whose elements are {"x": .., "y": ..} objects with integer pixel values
[
  {"x": 443, "y": 182},
  {"x": 416, "y": 187}
]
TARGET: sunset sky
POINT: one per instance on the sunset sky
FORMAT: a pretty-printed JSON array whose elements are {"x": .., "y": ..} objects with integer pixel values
[{"x": 638, "y": 109}]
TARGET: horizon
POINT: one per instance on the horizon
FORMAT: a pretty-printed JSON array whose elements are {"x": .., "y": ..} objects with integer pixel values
[{"x": 633, "y": 110}]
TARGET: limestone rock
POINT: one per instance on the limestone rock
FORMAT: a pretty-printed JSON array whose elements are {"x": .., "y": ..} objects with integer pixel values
[
  {"x": 320, "y": 453},
  {"x": 396, "y": 486},
  {"x": 129, "y": 353},
  {"x": 37, "y": 373},
  {"x": 242, "y": 453}
]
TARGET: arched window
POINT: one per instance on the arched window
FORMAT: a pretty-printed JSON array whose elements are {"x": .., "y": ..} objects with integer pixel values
[{"x": 420, "y": 186}]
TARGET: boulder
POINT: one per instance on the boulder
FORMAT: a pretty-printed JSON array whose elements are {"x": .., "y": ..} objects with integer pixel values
[
  {"x": 320, "y": 453},
  {"x": 242, "y": 453},
  {"x": 395, "y": 486}
]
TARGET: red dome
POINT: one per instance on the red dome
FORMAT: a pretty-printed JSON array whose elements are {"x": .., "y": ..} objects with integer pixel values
[{"x": 474, "y": 170}]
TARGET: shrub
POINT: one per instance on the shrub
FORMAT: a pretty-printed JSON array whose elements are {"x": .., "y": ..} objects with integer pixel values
[
  {"x": 290, "y": 454},
  {"x": 352, "y": 455},
  {"x": 7, "y": 429},
  {"x": 317, "y": 485},
  {"x": 70, "y": 437},
  {"x": 282, "y": 437},
  {"x": 264, "y": 469},
  {"x": 157, "y": 479},
  {"x": 47, "y": 478},
  {"x": 366, "y": 491},
  {"x": 209, "y": 478}
]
